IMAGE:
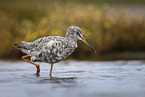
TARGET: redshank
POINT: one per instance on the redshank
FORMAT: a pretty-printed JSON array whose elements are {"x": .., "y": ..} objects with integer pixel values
[{"x": 52, "y": 49}]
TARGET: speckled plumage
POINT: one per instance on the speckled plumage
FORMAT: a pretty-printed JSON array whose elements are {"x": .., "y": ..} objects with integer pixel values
[{"x": 52, "y": 49}]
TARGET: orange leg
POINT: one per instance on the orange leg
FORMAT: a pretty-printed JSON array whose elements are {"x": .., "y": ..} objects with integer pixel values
[
  {"x": 37, "y": 66},
  {"x": 51, "y": 70}
]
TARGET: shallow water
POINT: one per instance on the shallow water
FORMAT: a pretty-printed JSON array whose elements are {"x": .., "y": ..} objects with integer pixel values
[{"x": 73, "y": 79}]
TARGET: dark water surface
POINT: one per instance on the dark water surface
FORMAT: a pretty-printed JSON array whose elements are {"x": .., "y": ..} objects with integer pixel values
[{"x": 73, "y": 79}]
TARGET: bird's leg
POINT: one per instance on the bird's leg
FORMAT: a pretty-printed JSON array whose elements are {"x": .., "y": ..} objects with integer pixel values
[
  {"x": 37, "y": 66},
  {"x": 51, "y": 70}
]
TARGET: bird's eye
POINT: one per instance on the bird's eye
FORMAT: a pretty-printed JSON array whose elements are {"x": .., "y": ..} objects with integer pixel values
[{"x": 78, "y": 34}]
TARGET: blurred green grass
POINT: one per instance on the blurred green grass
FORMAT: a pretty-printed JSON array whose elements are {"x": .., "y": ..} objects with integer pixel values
[{"x": 109, "y": 26}]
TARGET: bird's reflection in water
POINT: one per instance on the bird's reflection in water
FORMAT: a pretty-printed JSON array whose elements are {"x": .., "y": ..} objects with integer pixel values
[
  {"x": 56, "y": 81},
  {"x": 61, "y": 80}
]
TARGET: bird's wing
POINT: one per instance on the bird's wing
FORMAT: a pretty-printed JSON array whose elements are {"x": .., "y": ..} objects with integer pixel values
[
  {"x": 46, "y": 44},
  {"x": 36, "y": 46},
  {"x": 54, "y": 50}
]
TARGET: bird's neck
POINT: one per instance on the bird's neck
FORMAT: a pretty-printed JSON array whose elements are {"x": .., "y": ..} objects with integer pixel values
[
  {"x": 71, "y": 37},
  {"x": 72, "y": 42}
]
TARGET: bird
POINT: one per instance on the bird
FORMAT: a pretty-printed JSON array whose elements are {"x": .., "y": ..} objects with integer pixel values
[{"x": 52, "y": 49}]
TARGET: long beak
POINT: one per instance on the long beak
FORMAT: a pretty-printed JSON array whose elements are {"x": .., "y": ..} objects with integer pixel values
[{"x": 87, "y": 43}]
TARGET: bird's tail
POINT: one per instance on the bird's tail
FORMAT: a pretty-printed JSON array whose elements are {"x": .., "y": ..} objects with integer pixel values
[
  {"x": 19, "y": 46},
  {"x": 23, "y": 47}
]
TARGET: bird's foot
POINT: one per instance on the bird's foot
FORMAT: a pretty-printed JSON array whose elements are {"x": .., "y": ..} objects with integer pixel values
[
  {"x": 37, "y": 74},
  {"x": 38, "y": 71},
  {"x": 50, "y": 75}
]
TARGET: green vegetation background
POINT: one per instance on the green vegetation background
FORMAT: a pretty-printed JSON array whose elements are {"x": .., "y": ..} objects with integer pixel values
[{"x": 110, "y": 26}]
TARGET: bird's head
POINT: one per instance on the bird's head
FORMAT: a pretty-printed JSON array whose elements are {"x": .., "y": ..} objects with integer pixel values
[{"x": 74, "y": 32}]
